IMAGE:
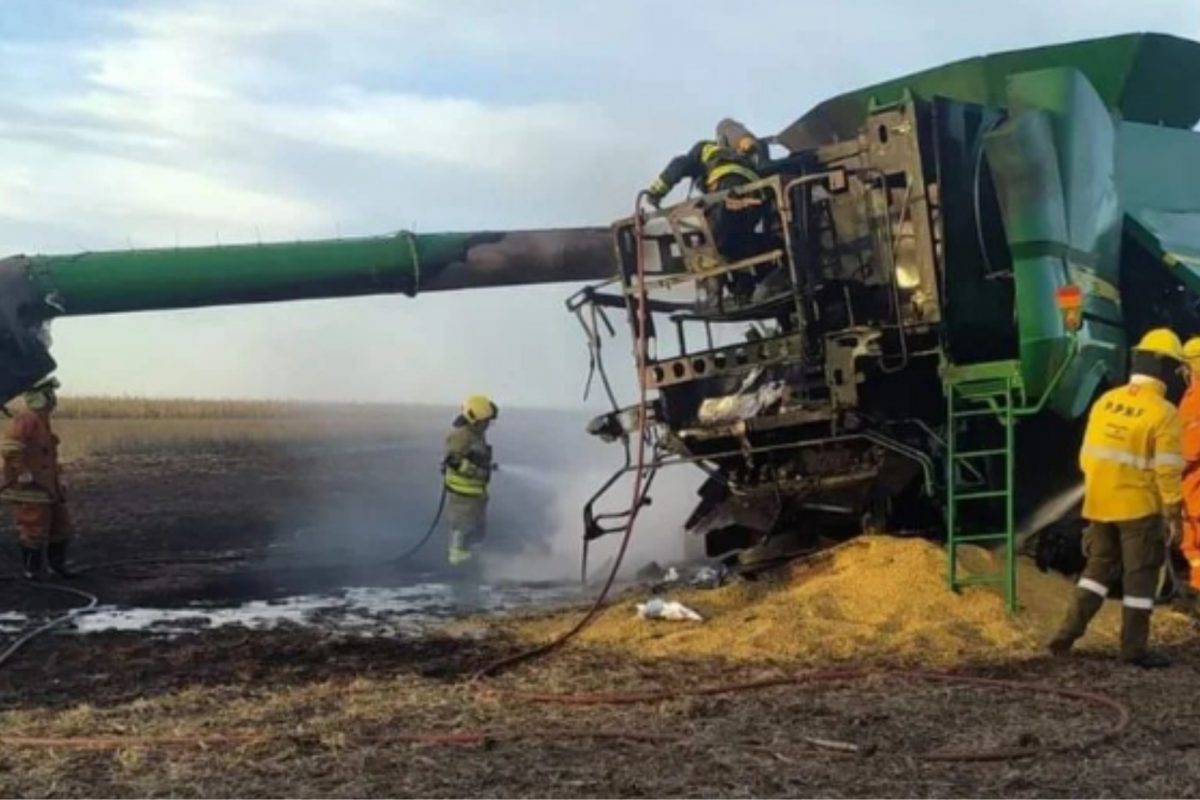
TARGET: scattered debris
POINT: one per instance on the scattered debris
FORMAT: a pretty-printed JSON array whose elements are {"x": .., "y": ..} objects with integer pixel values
[
  {"x": 708, "y": 578},
  {"x": 877, "y": 598},
  {"x": 657, "y": 608}
]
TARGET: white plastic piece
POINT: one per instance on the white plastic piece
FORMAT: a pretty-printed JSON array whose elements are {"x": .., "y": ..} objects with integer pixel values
[{"x": 657, "y": 608}]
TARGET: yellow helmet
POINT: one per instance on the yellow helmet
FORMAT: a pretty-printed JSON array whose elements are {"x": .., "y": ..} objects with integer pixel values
[
  {"x": 1191, "y": 352},
  {"x": 1163, "y": 342},
  {"x": 478, "y": 408}
]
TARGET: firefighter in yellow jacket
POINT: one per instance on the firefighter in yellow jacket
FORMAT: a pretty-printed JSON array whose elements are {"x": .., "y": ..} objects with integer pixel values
[
  {"x": 467, "y": 469},
  {"x": 1132, "y": 466},
  {"x": 726, "y": 162}
]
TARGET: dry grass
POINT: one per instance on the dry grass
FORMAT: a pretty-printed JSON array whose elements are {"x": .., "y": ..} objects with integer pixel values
[
  {"x": 90, "y": 425},
  {"x": 875, "y": 599},
  {"x": 143, "y": 408},
  {"x": 347, "y": 734}
]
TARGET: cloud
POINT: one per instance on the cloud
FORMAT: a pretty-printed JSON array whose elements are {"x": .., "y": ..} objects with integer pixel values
[{"x": 157, "y": 123}]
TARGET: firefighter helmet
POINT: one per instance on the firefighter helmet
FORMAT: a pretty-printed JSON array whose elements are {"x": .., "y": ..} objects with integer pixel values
[
  {"x": 1162, "y": 342},
  {"x": 478, "y": 408}
]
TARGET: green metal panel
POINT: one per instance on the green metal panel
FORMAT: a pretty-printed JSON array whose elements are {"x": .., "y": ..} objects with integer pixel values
[
  {"x": 1053, "y": 162},
  {"x": 1134, "y": 74},
  {"x": 135, "y": 280},
  {"x": 1158, "y": 168}
]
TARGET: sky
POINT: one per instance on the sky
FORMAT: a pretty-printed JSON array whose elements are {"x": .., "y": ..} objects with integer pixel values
[{"x": 192, "y": 122}]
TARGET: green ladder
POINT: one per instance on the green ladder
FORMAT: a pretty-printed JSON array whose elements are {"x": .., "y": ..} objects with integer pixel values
[{"x": 982, "y": 404}]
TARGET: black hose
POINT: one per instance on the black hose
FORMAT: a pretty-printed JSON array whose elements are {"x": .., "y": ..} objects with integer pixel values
[
  {"x": 437, "y": 517},
  {"x": 92, "y": 602}
]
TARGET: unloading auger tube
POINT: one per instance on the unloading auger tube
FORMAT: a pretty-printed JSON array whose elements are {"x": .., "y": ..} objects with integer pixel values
[{"x": 36, "y": 289}]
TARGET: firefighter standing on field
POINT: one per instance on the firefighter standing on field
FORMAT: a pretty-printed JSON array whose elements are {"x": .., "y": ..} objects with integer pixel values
[
  {"x": 467, "y": 469},
  {"x": 1189, "y": 420},
  {"x": 1132, "y": 467},
  {"x": 33, "y": 485}
]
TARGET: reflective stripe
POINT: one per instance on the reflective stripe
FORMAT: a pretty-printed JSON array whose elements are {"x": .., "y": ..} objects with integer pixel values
[
  {"x": 1140, "y": 603},
  {"x": 461, "y": 484},
  {"x": 35, "y": 496},
  {"x": 723, "y": 170},
  {"x": 659, "y": 186},
  {"x": 1119, "y": 456},
  {"x": 1095, "y": 587},
  {"x": 1169, "y": 460},
  {"x": 709, "y": 151},
  {"x": 11, "y": 446}
]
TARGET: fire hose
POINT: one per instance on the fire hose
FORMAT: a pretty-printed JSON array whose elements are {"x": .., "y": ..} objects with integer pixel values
[
  {"x": 437, "y": 517},
  {"x": 91, "y": 602},
  {"x": 486, "y": 736},
  {"x": 641, "y": 355}
]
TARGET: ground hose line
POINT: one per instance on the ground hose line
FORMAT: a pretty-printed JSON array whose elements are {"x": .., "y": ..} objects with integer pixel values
[
  {"x": 437, "y": 517},
  {"x": 483, "y": 737},
  {"x": 1120, "y": 710},
  {"x": 641, "y": 353},
  {"x": 92, "y": 602}
]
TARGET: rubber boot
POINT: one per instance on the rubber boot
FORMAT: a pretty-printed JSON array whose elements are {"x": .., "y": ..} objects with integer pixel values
[
  {"x": 1149, "y": 659},
  {"x": 31, "y": 563},
  {"x": 459, "y": 553},
  {"x": 1135, "y": 634},
  {"x": 1084, "y": 605},
  {"x": 56, "y": 556}
]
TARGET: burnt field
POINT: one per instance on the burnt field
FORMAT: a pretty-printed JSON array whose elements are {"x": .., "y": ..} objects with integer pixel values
[{"x": 193, "y": 514}]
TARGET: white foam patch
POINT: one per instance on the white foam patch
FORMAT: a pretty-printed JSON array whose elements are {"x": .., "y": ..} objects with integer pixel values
[{"x": 362, "y": 610}]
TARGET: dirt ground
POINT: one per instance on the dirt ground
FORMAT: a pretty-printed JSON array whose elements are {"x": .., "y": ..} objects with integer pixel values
[{"x": 298, "y": 711}]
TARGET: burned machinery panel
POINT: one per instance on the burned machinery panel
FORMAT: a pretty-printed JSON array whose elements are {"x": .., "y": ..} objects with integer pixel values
[{"x": 774, "y": 356}]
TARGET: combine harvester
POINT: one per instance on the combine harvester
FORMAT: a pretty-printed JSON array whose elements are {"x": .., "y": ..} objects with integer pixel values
[{"x": 940, "y": 256}]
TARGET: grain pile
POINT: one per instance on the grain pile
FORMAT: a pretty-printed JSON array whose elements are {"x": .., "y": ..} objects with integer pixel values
[{"x": 877, "y": 598}]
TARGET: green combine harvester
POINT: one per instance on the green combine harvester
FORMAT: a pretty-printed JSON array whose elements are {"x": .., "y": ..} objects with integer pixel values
[{"x": 948, "y": 267}]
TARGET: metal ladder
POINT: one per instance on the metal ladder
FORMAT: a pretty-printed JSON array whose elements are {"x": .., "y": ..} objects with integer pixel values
[{"x": 981, "y": 411}]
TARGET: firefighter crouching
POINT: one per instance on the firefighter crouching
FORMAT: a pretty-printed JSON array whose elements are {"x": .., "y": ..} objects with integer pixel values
[
  {"x": 1132, "y": 466},
  {"x": 1189, "y": 421},
  {"x": 33, "y": 485},
  {"x": 467, "y": 469},
  {"x": 718, "y": 165}
]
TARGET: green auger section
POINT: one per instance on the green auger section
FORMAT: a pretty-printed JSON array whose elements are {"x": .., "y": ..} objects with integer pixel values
[{"x": 141, "y": 280}]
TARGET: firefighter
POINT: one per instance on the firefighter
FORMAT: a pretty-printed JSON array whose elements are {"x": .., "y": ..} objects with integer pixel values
[
  {"x": 1189, "y": 423},
  {"x": 721, "y": 164},
  {"x": 33, "y": 485},
  {"x": 467, "y": 468},
  {"x": 1132, "y": 468}
]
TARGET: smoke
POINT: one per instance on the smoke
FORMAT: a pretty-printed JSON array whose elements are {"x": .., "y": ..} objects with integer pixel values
[
  {"x": 556, "y": 552},
  {"x": 365, "y": 493}
]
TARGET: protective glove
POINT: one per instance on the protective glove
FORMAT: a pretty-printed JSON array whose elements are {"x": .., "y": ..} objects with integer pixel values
[{"x": 1173, "y": 522}]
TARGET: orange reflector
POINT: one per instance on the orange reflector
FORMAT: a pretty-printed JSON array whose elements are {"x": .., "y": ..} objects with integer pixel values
[{"x": 1069, "y": 296}]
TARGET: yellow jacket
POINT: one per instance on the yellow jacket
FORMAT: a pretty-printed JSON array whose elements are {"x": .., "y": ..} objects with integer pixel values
[
  {"x": 1130, "y": 458},
  {"x": 468, "y": 462}
]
